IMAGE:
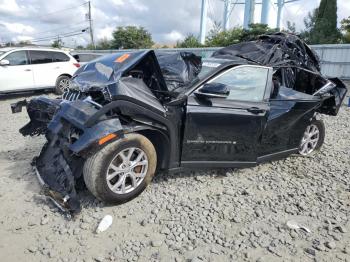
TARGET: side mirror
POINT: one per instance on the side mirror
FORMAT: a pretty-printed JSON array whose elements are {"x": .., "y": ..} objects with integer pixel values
[
  {"x": 213, "y": 90},
  {"x": 4, "y": 62}
]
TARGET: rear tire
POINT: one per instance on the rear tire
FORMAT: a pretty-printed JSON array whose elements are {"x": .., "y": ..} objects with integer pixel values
[
  {"x": 313, "y": 138},
  {"x": 62, "y": 83},
  {"x": 99, "y": 169}
]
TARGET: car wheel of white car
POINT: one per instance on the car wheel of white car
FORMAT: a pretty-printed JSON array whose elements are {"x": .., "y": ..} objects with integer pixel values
[
  {"x": 313, "y": 138},
  {"x": 62, "y": 84}
]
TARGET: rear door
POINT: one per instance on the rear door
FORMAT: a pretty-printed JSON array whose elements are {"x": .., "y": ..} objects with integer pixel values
[
  {"x": 227, "y": 131},
  {"x": 18, "y": 75},
  {"x": 43, "y": 68},
  {"x": 63, "y": 64}
]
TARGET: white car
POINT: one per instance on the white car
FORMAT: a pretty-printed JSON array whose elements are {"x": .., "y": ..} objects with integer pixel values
[{"x": 28, "y": 68}]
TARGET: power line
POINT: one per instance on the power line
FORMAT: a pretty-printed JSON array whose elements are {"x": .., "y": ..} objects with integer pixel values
[
  {"x": 54, "y": 29},
  {"x": 61, "y": 35},
  {"x": 54, "y": 35},
  {"x": 66, "y": 34},
  {"x": 58, "y": 11}
]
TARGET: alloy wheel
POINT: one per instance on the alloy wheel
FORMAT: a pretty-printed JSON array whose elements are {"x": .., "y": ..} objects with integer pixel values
[
  {"x": 64, "y": 84},
  {"x": 127, "y": 170},
  {"x": 309, "y": 140}
]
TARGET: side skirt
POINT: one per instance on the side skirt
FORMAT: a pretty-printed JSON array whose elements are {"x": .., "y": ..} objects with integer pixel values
[
  {"x": 276, "y": 156},
  {"x": 216, "y": 164},
  {"x": 233, "y": 164}
]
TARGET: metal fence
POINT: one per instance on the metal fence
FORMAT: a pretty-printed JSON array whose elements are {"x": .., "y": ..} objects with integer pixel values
[{"x": 335, "y": 59}]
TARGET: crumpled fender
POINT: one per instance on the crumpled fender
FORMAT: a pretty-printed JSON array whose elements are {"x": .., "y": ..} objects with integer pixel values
[{"x": 75, "y": 115}]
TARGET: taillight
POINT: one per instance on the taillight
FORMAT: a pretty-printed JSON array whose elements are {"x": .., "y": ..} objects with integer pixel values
[{"x": 76, "y": 64}]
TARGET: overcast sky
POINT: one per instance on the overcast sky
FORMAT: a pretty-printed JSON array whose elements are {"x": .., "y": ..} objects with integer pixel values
[{"x": 167, "y": 20}]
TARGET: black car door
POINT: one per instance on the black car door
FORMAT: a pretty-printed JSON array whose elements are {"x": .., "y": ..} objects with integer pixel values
[{"x": 225, "y": 131}]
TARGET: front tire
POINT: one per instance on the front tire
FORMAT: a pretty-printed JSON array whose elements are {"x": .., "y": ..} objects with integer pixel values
[
  {"x": 62, "y": 84},
  {"x": 121, "y": 170},
  {"x": 313, "y": 138}
]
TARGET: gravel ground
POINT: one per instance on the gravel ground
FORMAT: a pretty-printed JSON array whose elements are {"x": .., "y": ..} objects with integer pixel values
[{"x": 219, "y": 215}]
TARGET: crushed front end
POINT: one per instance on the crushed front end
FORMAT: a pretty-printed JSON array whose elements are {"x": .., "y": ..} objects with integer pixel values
[{"x": 69, "y": 141}]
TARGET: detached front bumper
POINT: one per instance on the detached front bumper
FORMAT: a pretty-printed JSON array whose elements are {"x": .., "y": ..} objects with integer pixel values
[
  {"x": 40, "y": 110},
  {"x": 69, "y": 143}
]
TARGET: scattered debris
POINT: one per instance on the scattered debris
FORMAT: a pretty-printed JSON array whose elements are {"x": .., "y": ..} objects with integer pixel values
[
  {"x": 105, "y": 223},
  {"x": 294, "y": 225}
]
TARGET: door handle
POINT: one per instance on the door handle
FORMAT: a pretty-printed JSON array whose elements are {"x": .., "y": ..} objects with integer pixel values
[
  {"x": 27, "y": 70},
  {"x": 255, "y": 110}
]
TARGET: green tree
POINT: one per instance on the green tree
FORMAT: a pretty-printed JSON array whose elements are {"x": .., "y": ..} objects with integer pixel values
[
  {"x": 9, "y": 44},
  {"x": 24, "y": 43},
  {"x": 255, "y": 30},
  {"x": 131, "y": 37},
  {"x": 103, "y": 44},
  {"x": 190, "y": 41},
  {"x": 90, "y": 47},
  {"x": 291, "y": 28},
  {"x": 237, "y": 34},
  {"x": 57, "y": 43},
  {"x": 309, "y": 23},
  {"x": 321, "y": 24},
  {"x": 224, "y": 38},
  {"x": 345, "y": 27}
]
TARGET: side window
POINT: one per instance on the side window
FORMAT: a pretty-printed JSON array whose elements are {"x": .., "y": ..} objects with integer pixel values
[
  {"x": 246, "y": 83},
  {"x": 40, "y": 57},
  {"x": 59, "y": 57},
  {"x": 17, "y": 58}
]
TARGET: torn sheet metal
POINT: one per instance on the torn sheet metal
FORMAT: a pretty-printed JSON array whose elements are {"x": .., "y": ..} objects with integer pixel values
[
  {"x": 275, "y": 50},
  {"x": 179, "y": 68},
  {"x": 40, "y": 111}
]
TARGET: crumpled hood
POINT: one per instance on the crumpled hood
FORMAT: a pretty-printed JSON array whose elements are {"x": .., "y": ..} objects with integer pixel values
[
  {"x": 163, "y": 72},
  {"x": 105, "y": 72}
]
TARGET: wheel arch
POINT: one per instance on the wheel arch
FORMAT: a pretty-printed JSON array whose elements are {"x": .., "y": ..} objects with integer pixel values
[
  {"x": 161, "y": 144},
  {"x": 64, "y": 74}
]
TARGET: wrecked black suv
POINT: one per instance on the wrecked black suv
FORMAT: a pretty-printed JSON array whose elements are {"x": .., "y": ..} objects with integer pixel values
[{"x": 128, "y": 115}]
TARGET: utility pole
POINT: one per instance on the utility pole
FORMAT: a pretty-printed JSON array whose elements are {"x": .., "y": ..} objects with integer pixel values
[
  {"x": 203, "y": 27},
  {"x": 265, "y": 8},
  {"x": 90, "y": 25},
  {"x": 227, "y": 11},
  {"x": 280, "y": 4},
  {"x": 248, "y": 13}
]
